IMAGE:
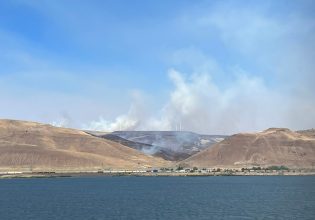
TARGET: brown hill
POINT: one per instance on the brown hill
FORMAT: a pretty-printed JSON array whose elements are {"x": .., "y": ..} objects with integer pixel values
[
  {"x": 309, "y": 132},
  {"x": 274, "y": 146},
  {"x": 36, "y": 146}
]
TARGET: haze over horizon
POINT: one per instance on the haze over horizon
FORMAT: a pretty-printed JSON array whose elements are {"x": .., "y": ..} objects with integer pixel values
[{"x": 215, "y": 67}]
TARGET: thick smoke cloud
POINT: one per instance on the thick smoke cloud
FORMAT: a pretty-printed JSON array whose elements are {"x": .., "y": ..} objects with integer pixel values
[
  {"x": 198, "y": 104},
  {"x": 271, "y": 84}
]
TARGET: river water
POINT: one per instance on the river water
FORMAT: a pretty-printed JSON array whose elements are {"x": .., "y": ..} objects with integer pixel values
[{"x": 174, "y": 198}]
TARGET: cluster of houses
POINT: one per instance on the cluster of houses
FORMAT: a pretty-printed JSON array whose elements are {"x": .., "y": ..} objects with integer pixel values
[
  {"x": 201, "y": 171},
  {"x": 184, "y": 170},
  {"x": 179, "y": 170}
]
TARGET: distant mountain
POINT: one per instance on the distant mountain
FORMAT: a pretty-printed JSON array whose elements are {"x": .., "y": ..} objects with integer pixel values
[
  {"x": 30, "y": 145},
  {"x": 274, "y": 146},
  {"x": 169, "y": 145}
]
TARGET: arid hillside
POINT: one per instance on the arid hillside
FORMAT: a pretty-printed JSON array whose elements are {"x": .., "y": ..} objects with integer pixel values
[
  {"x": 169, "y": 145},
  {"x": 156, "y": 151},
  {"x": 35, "y": 146},
  {"x": 274, "y": 146}
]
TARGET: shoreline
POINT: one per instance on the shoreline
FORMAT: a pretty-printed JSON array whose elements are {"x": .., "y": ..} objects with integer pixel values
[{"x": 145, "y": 174}]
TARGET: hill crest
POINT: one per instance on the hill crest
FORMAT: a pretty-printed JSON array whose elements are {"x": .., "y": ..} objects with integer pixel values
[
  {"x": 41, "y": 146},
  {"x": 275, "y": 146}
]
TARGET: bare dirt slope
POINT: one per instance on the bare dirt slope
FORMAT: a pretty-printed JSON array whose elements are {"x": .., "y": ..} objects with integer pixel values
[
  {"x": 156, "y": 151},
  {"x": 274, "y": 146},
  {"x": 169, "y": 145},
  {"x": 40, "y": 146}
]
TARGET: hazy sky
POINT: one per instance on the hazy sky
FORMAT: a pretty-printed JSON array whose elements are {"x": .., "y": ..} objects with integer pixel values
[{"x": 211, "y": 66}]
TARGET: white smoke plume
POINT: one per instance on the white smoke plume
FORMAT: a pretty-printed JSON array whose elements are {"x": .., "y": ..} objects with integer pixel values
[
  {"x": 129, "y": 121},
  {"x": 219, "y": 98},
  {"x": 199, "y": 105},
  {"x": 64, "y": 121}
]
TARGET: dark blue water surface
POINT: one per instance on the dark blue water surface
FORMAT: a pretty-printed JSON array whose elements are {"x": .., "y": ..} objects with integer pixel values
[{"x": 278, "y": 197}]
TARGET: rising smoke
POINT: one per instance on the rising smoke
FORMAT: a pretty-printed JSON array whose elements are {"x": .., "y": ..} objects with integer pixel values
[
  {"x": 280, "y": 94},
  {"x": 199, "y": 105}
]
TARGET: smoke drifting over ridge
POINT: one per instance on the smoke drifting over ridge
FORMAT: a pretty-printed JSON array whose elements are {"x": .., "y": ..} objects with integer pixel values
[
  {"x": 199, "y": 105},
  {"x": 271, "y": 83}
]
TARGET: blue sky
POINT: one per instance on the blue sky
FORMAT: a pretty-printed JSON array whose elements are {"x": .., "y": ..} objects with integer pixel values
[{"x": 214, "y": 66}]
